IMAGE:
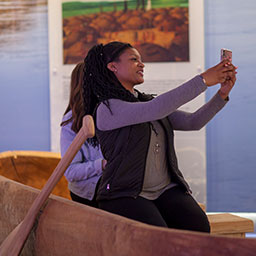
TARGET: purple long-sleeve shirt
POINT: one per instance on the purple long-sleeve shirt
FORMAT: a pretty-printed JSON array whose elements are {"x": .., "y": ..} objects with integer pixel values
[{"x": 165, "y": 105}]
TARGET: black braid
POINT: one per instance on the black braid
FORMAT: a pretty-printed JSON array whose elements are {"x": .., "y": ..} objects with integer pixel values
[{"x": 100, "y": 84}]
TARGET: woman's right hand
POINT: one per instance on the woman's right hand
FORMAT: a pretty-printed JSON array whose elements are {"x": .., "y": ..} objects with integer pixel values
[{"x": 218, "y": 73}]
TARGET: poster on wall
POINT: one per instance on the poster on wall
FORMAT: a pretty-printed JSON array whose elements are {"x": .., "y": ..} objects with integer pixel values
[
  {"x": 167, "y": 33},
  {"x": 157, "y": 29}
]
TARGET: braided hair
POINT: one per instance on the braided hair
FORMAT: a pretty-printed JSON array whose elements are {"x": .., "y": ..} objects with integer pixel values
[{"x": 99, "y": 83}]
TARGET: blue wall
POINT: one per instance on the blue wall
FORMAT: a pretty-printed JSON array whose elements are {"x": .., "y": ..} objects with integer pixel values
[
  {"x": 24, "y": 78},
  {"x": 231, "y": 140},
  {"x": 231, "y": 158}
]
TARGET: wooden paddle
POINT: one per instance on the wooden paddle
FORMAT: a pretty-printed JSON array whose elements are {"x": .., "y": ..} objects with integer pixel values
[{"x": 15, "y": 241}]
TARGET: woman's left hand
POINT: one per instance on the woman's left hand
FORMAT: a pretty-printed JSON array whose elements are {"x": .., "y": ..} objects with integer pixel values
[{"x": 227, "y": 86}]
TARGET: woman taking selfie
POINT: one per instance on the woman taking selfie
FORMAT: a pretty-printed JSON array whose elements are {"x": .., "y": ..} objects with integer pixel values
[{"x": 142, "y": 180}]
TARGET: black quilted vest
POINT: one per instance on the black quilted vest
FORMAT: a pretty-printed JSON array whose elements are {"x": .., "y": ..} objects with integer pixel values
[{"x": 125, "y": 150}]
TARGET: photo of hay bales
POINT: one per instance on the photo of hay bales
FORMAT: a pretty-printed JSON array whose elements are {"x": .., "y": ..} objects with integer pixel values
[{"x": 159, "y": 29}]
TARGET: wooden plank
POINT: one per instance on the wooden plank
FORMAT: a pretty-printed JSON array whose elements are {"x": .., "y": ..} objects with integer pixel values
[
  {"x": 241, "y": 235},
  {"x": 226, "y": 223}
]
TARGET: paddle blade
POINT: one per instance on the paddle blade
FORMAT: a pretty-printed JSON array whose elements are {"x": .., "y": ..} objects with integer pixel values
[{"x": 7, "y": 247}]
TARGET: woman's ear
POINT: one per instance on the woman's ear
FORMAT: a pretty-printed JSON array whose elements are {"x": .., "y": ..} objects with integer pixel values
[{"x": 111, "y": 66}]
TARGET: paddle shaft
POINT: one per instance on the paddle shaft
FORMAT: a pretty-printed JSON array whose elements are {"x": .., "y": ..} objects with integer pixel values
[{"x": 14, "y": 243}]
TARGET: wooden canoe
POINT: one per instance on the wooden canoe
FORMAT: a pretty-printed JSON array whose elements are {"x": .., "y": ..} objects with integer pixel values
[
  {"x": 68, "y": 228},
  {"x": 64, "y": 227}
]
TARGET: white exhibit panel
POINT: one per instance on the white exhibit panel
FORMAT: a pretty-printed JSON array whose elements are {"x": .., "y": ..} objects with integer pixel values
[{"x": 159, "y": 76}]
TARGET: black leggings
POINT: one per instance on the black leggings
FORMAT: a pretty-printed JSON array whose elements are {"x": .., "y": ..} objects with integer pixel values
[
  {"x": 173, "y": 209},
  {"x": 82, "y": 200}
]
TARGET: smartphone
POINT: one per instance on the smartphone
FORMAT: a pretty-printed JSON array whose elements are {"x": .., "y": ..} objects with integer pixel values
[{"x": 226, "y": 54}]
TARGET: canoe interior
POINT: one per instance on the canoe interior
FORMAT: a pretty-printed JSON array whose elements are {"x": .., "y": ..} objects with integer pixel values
[{"x": 32, "y": 168}]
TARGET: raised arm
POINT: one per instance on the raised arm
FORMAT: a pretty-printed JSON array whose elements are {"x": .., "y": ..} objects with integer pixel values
[
  {"x": 186, "y": 121},
  {"x": 195, "y": 121},
  {"x": 129, "y": 113}
]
